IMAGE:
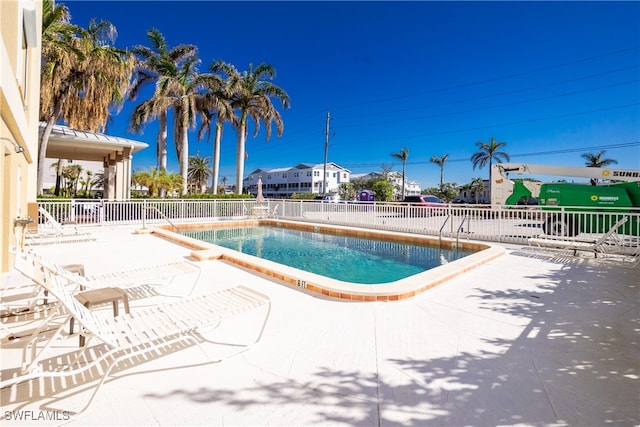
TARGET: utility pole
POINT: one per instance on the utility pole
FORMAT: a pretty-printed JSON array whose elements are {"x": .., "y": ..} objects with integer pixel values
[{"x": 326, "y": 153}]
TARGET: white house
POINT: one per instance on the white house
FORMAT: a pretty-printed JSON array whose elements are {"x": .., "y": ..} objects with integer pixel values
[
  {"x": 412, "y": 187},
  {"x": 303, "y": 178},
  {"x": 467, "y": 195}
]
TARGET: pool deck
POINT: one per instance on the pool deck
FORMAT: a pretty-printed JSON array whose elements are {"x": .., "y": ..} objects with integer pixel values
[{"x": 531, "y": 337}]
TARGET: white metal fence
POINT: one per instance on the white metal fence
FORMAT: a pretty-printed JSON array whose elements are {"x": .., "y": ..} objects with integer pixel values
[{"x": 508, "y": 224}]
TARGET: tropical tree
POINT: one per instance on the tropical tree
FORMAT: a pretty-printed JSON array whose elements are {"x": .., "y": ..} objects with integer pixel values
[
  {"x": 597, "y": 161},
  {"x": 157, "y": 65},
  {"x": 440, "y": 161},
  {"x": 217, "y": 107},
  {"x": 199, "y": 172},
  {"x": 59, "y": 167},
  {"x": 85, "y": 182},
  {"x": 383, "y": 190},
  {"x": 447, "y": 191},
  {"x": 156, "y": 181},
  {"x": 251, "y": 97},
  {"x": 83, "y": 75},
  {"x": 72, "y": 174},
  {"x": 488, "y": 152},
  {"x": 59, "y": 44},
  {"x": 347, "y": 191},
  {"x": 187, "y": 105},
  {"x": 477, "y": 186},
  {"x": 179, "y": 90},
  {"x": 224, "y": 185},
  {"x": 403, "y": 155}
]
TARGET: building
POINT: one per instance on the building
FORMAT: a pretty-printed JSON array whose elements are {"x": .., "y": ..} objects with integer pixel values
[
  {"x": 302, "y": 178},
  {"x": 20, "y": 51},
  {"x": 412, "y": 187},
  {"x": 468, "y": 195}
]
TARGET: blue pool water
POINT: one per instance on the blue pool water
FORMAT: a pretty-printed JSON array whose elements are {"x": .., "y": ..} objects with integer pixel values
[{"x": 350, "y": 259}]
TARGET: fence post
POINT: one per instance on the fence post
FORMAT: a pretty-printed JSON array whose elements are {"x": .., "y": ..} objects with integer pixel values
[
  {"x": 144, "y": 213},
  {"x": 101, "y": 214}
]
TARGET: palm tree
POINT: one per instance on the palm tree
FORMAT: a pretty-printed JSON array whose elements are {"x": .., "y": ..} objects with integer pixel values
[
  {"x": 83, "y": 76},
  {"x": 59, "y": 167},
  {"x": 188, "y": 103},
  {"x": 59, "y": 44},
  {"x": 440, "y": 161},
  {"x": 156, "y": 181},
  {"x": 596, "y": 161},
  {"x": 403, "y": 155},
  {"x": 251, "y": 97},
  {"x": 199, "y": 171},
  {"x": 488, "y": 152},
  {"x": 156, "y": 64},
  {"x": 217, "y": 99},
  {"x": 224, "y": 184},
  {"x": 72, "y": 174},
  {"x": 477, "y": 185},
  {"x": 85, "y": 182}
]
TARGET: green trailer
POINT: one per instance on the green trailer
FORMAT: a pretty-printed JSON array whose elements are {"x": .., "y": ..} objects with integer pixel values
[{"x": 590, "y": 207}]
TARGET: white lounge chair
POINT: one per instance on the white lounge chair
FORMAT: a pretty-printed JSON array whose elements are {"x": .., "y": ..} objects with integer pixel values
[
  {"x": 162, "y": 277},
  {"x": 51, "y": 231},
  {"x": 132, "y": 337},
  {"x": 600, "y": 245}
]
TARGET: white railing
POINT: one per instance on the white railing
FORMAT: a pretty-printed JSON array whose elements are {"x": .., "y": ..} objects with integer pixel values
[{"x": 508, "y": 224}]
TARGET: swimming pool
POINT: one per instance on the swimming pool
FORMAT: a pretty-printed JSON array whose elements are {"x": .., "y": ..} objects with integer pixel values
[
  {"x": 347, "y": 258},
  {"x": 327, "y": 286}
]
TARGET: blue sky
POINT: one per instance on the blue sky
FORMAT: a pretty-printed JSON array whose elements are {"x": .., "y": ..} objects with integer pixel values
[{"x": 553, "y": 80}]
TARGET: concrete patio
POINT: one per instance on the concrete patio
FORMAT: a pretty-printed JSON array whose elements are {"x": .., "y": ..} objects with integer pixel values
[{"x": 530, "y": 338}]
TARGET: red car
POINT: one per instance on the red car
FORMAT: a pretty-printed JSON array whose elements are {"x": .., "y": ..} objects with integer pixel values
[{"x": 434, "y": 205}]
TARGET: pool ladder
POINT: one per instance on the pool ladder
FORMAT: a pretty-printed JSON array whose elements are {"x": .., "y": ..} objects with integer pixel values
[{"x": 457, "y": 231}]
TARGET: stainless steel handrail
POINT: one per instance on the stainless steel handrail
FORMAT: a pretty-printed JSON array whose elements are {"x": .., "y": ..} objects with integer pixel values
[{"x": 144, "y": 217}]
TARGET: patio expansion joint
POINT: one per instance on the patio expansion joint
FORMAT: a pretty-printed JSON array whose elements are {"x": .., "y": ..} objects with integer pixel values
[{"x": 544, "y": 387}]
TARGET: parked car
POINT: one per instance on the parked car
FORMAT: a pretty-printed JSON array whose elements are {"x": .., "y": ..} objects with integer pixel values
[
  {"x": 331, "y": 198},
  {"x": 427, "y": 203}
]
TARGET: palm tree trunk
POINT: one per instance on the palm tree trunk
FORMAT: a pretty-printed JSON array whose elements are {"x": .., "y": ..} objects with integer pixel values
[
  {"x": 404, "y": 193},
  {"x": 162, "y": 143},
  {"x": 42, "y": 150},
  {"x": 240, "y": 155},
  {"x": 216, "y": 158},
  {"x": 184, "y": 157},
  {"x": 61, "y": 164}
]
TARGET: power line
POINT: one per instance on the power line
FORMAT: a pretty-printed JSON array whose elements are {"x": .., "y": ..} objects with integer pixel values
[
  {"x": 510, "y": 104},
  {"x": 530, "y": 154},
  {"x": 505, "y": 77},
  {"x": 457, "y": 102},
  {"x": 520, "y": 122}
]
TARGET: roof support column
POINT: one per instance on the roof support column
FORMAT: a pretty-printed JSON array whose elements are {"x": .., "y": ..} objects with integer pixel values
[
  {"x": 110, "y": 177},
  {"x": 120, "y": 179}
]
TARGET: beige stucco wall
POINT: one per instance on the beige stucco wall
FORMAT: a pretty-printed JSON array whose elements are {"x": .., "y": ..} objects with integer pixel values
[{"x": 19, "y": 96}]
